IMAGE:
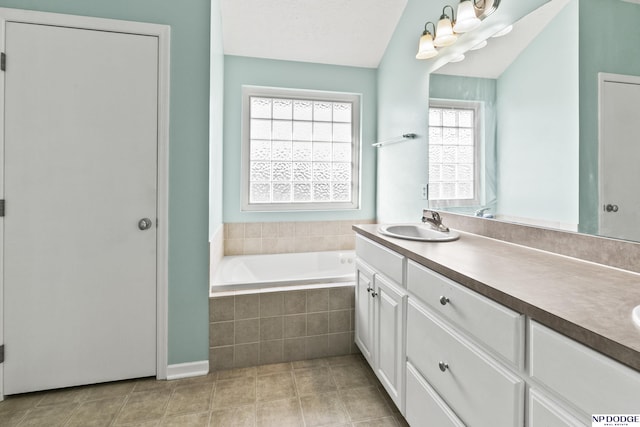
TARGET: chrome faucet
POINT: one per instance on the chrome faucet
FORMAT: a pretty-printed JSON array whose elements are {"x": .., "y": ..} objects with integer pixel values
[{"x": 435, "y": 221}]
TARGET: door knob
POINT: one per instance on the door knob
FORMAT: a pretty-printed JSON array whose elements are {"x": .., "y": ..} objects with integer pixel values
[
  {"x": 611, "y": 208},
  {"x": 145, "y": 224}
]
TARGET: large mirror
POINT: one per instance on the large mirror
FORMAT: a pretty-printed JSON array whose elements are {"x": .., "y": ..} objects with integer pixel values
[{"x": 538, "y": 94}]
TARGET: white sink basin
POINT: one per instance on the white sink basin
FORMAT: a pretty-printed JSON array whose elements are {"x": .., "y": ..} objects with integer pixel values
[
  {"x": 635, "y": 315},
  {"x": 423, "y": 233}
]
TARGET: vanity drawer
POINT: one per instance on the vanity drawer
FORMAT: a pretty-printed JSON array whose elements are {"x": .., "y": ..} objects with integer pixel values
[
  {"x": 384, "y": 260},
  {"x": 591, "y": 381},
  {"x": 478, "y": 389},
  {"x": 423, "y": 403},
  {"x": 494, "y": 325}
]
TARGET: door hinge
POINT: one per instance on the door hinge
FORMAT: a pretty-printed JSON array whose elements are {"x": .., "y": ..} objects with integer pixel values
[
  {"x": 1, "y": 207},
  {"x": 3, "y": 61},
  {"x": 2, "y": 353}
]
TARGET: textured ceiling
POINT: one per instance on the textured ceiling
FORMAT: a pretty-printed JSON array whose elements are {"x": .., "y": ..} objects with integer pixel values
[{"x": 340, "y": 32}]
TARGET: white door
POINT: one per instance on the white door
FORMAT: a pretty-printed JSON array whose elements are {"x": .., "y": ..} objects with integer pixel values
[
  {"x": 619, "y": 156},
  {"x": 81, "y": 133}
]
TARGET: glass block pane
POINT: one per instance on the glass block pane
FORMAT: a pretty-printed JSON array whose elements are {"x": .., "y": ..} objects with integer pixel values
[
  {"x": 301, "y": 171},
  {"x": 302, "y": 110},
  {"x": 282, "y": 192},
  {"x": 342, "y": 172},
  {"x": 465, "y": 173},
  {"x": 435, "y": 135},
  {"x": 281, "y": 150},
  {"x": 465, "y": 118},
  {"x": 435, "y": 117},
  {"x": 342, "y": 132},
  {"x": 434, "y": 172},
  {"x": 322, "y": 111},
  {"x": 342, "y": 112},
  {"x": 435, "y": 192},
  {"x": 302, "y": 151},
  {"x": 465, "y": 154},
  {"x": 450, "y": 136},
  {"x": 282, "y": 109},
  {"x": 342, "y": 152},
  {"x": 341, "y": 191},
  {"x": 448, "y": 173},
  {"x": 260, "y": 193},
  {"x": 282, "y": 130},
  {"x": 260, "y": 150},
  {"x": 448, "y": 190},
  {"x": 260, "y": 129},
  {"x": 322, "y": 131},
  {"x": 465, "y": 190},
  {"x": 260, "y": 108},
  {"x": 449, "y": 154},
  {"x": 465, "y": 136},
  {"x": 281, "y": 171},
  {"x": 301, "y": 192},
  {"x": 321, "y": 192},
  {"x": 321, "y": 151},
  {"x": 449, "y": 118},
  {"x": 435, "y": 154},
  {"x": 260, "y": 171},
  {"x": 302, "y": 131},
  {"x": 321, "y": 171}
]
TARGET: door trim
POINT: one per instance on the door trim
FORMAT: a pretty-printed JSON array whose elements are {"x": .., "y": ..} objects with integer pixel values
[
  {"x": 602, "y": 79},
  {"x": 163, "y": 34}
]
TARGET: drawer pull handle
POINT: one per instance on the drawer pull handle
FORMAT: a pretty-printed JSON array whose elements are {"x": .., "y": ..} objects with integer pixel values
[
  {"x": 443, "y": 366},
  {"x": 375, "y": 294},
  {"x": 444, "y": 300}
]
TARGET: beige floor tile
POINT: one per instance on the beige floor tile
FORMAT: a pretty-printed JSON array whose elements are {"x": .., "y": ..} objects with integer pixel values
[
  {"x": 20, "y": 402},
  {"x": 275, "y": 387},
  {"x": 380, "y": 422},
  {"x": 314, "y": 381},
  {"x": 187, "y": 420},
  {"x": 279, "y": 413},
  {"x": 309, "y": 363},
  {"x": 350, "y": 359},
  {"x": 364, "y": 403},
  {"x": 234, "y": 392},
  {"x": 97, "y": 412},
  {"x": 102, "y": 391},
  {"x": 401, "y": 421},
  {"x": 274, "y": 368},
  {"x": 49, "y": 416},
  {"x": 11, "y": 419},
  {"x": 323, "y": 409},
  {"x": 66, "y": 395},
  {"x": 350, "y": 376},
  {"x": 195, "y": 398},
  {"x": 144, "y": 406},
  {"x": 241, "y": 416},
  {"x": 152, "y": 384},
  {"x": 237, "y": 373},
  {"x": 202, "y": 379}
]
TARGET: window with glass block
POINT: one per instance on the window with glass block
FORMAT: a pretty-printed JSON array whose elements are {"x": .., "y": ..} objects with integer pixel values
[
  {"x": 453, "y": 152},
  {"x": 301, "y": 151}
]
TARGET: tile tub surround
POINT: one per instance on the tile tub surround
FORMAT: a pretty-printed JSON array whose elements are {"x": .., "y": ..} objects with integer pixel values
[
  {"x": 272, "y": 327},
  {"x": 602, "y": 250},
  {"x": 254, "y": 238},
  {"x": 587, "y": 302},
  {"x": 336, "y": 391}
]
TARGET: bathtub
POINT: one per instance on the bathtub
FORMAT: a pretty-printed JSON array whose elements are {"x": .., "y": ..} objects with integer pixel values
[{"x": 276, "y": 272}]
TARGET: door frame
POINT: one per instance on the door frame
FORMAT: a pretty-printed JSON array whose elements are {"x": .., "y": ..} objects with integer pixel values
[
  {"x": 163, "y": 34},
  {"x": 602, "y": 79}
]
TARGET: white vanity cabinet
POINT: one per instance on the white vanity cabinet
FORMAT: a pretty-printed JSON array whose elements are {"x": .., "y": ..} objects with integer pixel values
[{"x": 380, "y": 314}]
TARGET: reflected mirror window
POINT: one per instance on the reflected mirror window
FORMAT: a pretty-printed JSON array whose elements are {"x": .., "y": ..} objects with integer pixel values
[{"x": 454, "y": 140}]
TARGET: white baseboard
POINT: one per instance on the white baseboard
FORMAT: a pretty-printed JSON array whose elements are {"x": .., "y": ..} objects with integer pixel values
[{"x": 186, "y": 370}]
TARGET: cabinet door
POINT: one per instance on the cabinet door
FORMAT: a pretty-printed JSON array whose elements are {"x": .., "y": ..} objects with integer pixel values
[
  {"x": 364, "y": 311},
  {"x": 389, "y": 315},
  {"x": 544, "y": 412}
]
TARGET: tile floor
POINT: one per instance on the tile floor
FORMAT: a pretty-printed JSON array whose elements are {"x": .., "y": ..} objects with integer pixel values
[{"x": 336, "y": 391}]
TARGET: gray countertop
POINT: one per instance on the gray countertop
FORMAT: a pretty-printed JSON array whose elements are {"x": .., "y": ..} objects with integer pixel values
[{"x": 587, "y": 302}]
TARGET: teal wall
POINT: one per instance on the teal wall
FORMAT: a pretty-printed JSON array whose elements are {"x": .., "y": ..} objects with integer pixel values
[
  {"x": 483, "y": 90},
  {"x": 188, "y": 154},
  {"x": 538, "y": 136},
  {"x": 403, "y": 92},
  {"x": 610, "y": 43},
  {"x": 241, "y": 71}
]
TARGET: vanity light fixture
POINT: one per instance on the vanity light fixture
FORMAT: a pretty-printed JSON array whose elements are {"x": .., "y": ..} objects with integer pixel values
[
  {"x": 480, "y": 45},
  {"x": 444, "y": 31},
  {"x": 458, "y": 58},
  {"x": 426, "y": 49},
  {"x": 503, "y": 32},
  {"x": 467, "y": 19}
]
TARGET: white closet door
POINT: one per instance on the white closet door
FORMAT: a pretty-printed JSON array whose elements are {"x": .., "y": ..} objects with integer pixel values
[{"x": 81, "y": 112}]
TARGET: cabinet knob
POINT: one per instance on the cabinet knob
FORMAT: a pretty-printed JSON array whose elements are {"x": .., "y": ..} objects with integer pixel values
[
  {"x": 444, "y": 300},
  {"x": 374, "y": 294},
  {"x": 369, "y": 290},
  {"x": 443, "y": 366}
]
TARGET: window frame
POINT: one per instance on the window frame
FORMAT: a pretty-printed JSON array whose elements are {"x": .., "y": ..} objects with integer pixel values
[
  {"x": 478, "y": 117},
  {"x": 299, "y": 94}
]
